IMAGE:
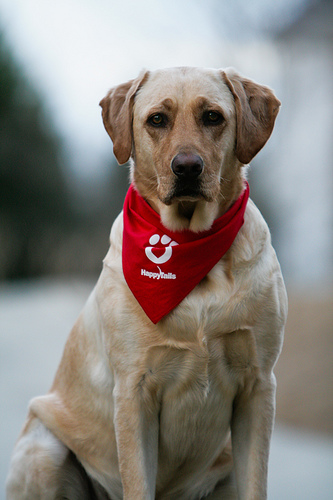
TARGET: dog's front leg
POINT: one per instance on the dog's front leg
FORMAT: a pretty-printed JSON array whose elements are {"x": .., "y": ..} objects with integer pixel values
[
  {"x": 251, "y": 429},
  {"x": 136, "y": 426}
]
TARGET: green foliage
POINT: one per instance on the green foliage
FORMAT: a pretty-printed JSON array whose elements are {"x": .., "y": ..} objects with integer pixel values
[
  {"x": 33, "y": 192},
  {"x": 45, "y": 227}
]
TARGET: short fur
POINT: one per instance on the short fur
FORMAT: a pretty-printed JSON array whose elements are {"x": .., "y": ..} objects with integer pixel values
[{"x": 183, "y": 409}]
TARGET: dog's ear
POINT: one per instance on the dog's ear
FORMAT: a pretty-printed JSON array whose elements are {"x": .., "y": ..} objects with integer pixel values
[
  {"x": 117, "y": 107},
  {"x": 256, "y": 110}
]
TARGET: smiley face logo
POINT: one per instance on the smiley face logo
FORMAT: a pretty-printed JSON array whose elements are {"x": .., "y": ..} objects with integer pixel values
[{"x": 167, "y": 242}]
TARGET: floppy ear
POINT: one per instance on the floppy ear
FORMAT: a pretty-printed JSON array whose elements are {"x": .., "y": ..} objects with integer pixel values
[
  {"x": 256, "y": 110},
  {"x": 117, "y": 108}
]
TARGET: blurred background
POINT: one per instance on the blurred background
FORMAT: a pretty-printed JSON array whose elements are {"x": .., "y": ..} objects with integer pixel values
[{"x": 61, "y": 188}]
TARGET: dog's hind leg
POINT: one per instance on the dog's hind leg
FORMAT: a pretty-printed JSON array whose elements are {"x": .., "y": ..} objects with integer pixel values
[
  {"x": 43, "y": 468},
  {"x": 36, "y": 461}
]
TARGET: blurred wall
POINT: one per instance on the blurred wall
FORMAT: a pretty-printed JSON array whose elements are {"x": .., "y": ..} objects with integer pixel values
[{"x": 304, "y": 149}]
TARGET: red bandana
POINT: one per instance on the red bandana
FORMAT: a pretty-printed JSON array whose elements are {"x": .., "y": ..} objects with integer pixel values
[{"x": 161, "y": 267}]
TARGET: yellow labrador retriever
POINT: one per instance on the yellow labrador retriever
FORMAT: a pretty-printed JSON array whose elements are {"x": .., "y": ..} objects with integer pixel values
[{"x": 181, "y": 406}]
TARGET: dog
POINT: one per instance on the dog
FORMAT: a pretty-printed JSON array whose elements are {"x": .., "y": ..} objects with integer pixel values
[{"x": 170, "y": 399}]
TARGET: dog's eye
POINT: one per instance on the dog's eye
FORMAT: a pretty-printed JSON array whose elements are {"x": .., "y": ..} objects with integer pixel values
[
  {"x": 212, "y": 118},
  {"x": 157, "y": 120}
]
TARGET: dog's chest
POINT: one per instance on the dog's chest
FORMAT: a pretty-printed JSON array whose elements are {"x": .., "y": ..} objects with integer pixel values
[
  {"x": 207, "y": 339},
  {"x": 199, "y": 367},
  {"x": 196, "y": 384}
]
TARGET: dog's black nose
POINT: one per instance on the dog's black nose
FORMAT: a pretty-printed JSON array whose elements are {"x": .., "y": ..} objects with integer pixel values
[{"x": 187, "y": 165}]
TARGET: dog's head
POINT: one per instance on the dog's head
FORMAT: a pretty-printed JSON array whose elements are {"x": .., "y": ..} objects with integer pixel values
[{"x": 189, "y": 131}]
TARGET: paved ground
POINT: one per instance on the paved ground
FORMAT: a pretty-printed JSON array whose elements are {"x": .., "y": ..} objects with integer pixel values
[{"x": 34, "y": 322}]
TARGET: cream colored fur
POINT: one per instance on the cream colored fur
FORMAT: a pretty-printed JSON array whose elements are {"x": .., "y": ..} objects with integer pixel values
[{"x": 151, "y": 411}]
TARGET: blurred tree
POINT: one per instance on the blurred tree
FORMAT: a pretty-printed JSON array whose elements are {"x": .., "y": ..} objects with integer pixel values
[{"x": 33, "y": 192}]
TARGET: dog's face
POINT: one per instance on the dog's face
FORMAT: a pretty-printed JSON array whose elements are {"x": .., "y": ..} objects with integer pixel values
[
  {"x": 189, "y": 131},
  {"x": 184, "y": 135}
]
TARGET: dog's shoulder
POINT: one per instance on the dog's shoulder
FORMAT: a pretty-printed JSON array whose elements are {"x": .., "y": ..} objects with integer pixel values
[
  {"x": 116, "y": 234},
  {"x": 256, "y": 263},
  {"x": 254, "y": 238},
  {"x": 113, "y": 256}
]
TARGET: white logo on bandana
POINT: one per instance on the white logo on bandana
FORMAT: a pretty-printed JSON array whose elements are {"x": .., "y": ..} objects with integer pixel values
[
  {"x": 159, "y": 275},
  {"x": 165, "y": 240}
]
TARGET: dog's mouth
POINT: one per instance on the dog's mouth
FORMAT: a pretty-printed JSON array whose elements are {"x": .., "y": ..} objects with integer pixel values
[
  {"x": 187, "y": 205},
  {"x": 185, "y": 199},
  {"x": 185, "y": 193}
]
